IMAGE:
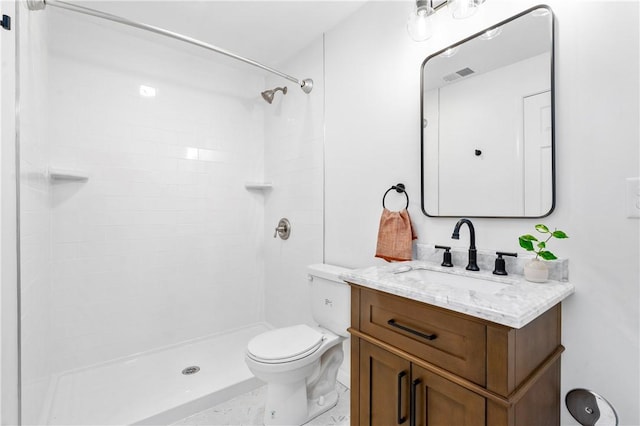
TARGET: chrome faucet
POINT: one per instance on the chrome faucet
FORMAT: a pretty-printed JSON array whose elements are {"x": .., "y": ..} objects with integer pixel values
[{"x": 472, "y": 266}]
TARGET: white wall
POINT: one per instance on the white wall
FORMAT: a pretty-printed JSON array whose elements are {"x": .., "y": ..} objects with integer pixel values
[
  {"x": 294, "y": 143},
  {"x": 294, "y": 163},
  {"x": 35, "y": 217},
  {"x": 9, "y": 412},
  {"x": 372, "y": 142}
]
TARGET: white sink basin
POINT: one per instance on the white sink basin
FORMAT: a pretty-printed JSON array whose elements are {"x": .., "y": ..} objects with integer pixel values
[{"x": 478, "y": 283}]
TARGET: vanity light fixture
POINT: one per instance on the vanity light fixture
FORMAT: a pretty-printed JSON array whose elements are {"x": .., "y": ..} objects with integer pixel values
[
  {"x": 420, "y": 22},
  {"x": 461, "y": 9}
]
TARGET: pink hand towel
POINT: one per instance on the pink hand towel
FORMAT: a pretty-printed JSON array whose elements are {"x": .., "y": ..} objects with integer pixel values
[{"x": 395, "y": 236}]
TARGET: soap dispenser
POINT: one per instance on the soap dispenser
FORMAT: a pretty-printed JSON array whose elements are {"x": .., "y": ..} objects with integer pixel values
[{"x": 499, "y": 268}]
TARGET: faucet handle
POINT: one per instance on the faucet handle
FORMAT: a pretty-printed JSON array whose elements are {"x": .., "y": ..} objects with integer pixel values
[
  {"x": 446, "y": 257},
  {"x": 500, "y": 268}
]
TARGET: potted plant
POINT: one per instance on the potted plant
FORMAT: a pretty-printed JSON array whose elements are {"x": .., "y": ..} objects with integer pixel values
[{"x": 536, "y": 270}]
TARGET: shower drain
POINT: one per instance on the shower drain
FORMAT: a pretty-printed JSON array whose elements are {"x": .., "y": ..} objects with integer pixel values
[{"x": 191, "y": 370}]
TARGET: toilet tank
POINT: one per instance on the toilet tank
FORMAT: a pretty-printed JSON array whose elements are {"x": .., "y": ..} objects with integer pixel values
[{"x": 330, "y": 298}]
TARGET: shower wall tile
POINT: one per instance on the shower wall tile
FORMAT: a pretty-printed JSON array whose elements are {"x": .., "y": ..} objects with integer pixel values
[
  {"x": 163, "y": 243},
  {"x": 294, "y": 164}
]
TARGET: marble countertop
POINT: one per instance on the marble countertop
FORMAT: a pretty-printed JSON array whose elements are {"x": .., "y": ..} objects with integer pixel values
[{"x": 510, "y": 300}]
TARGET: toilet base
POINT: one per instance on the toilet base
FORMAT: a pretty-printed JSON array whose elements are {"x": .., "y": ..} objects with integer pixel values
[
  {"x": 287, "y": 404},
  {"x": 322, "y": 404}
]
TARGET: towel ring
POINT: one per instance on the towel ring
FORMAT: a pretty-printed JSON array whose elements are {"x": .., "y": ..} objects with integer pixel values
[{"x": 400, "y": 190}]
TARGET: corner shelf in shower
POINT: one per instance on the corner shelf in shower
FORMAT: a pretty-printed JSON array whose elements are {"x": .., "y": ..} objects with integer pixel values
[
  {"x": 259, "y": 186},
  {"x": 68, "y": 175}
]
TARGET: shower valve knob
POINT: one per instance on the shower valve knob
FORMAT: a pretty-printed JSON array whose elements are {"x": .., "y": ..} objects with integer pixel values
[{"x": 283, "y": 229}]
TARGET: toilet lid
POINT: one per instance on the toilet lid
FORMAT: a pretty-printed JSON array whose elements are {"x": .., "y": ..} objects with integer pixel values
[{"x": 288, "y": 343}]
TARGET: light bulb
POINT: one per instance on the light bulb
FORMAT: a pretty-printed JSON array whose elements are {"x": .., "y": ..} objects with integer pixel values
[
  {"x": 540, "y": 12},
  {"x": 450, "y": 52},
  {"x": 419, "y": 24},
  {"x": 491, "y": 34},
  {"x": 461, "y": 9}
]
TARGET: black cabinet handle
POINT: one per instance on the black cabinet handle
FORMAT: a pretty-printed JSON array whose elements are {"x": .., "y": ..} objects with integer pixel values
[
  {"x": 401, "y": 418},
  {"x": 393, "y": 323},
  {"x": 414, "y": 392}
]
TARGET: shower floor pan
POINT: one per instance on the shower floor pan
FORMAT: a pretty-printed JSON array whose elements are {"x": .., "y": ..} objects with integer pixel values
[{"x": 151, "y": 389}]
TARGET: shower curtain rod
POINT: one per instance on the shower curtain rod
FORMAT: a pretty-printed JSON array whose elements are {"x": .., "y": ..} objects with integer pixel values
[{"x": 306, "y": 85}]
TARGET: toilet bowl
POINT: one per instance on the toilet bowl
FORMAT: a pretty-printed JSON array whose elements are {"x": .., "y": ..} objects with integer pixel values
[{"x": 300, "y": 363}]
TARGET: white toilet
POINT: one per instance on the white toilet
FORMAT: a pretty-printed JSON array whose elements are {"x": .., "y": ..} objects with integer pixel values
[{"x": 300, "y": 363}]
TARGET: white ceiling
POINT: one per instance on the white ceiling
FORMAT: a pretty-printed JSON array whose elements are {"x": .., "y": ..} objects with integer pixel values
[
  {"x": 267, "y": 31},
  {"x": 522, "y": 38}
]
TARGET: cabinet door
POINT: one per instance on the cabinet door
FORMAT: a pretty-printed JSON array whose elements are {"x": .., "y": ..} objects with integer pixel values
[
  {"x": 384, "y": 387},
  {"x": 436, "y": 401}
]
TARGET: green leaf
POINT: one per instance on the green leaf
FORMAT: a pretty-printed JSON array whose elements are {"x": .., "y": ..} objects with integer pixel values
[
  {"x": 525, "y": 243},
  {"x": 547, "y": 255},
  {"x": 541, "y": 228},
  {"x": 559, "y": 234},
  {"x": 528, "y": 237},
  {"x": 542, "y": 244}
]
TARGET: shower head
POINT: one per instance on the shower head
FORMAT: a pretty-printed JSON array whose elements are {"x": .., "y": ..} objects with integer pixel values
[{"x": 268, "y": 95}]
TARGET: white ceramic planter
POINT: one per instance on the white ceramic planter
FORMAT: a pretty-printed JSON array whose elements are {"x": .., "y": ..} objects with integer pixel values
[{"x": 536, "y": 271}]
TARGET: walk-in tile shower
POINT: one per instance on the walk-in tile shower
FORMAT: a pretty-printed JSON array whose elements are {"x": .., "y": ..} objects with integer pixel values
[{"x": 141, "y": 248}]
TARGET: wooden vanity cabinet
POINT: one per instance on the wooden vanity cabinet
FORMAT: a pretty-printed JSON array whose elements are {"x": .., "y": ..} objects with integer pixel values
[
  {"x": 421, "y": 397},
  {"x": 421, "y": 365}
]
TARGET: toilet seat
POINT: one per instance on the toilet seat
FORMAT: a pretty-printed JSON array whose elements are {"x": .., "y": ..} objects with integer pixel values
[{"x": 285, "y": 344}]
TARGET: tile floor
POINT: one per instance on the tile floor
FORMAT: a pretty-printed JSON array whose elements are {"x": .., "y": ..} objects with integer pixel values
[{"x": 248, "y": 409}]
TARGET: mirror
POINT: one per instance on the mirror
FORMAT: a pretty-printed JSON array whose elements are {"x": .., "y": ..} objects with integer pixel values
[{"x": 488, "y": 122}]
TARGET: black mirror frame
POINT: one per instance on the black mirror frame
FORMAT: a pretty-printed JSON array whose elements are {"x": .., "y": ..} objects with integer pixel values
[{"x": 553, "y": 116}]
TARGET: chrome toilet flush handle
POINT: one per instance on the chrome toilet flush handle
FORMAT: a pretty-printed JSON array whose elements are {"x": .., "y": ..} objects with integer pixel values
[{"x": 283, "y": 229}]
